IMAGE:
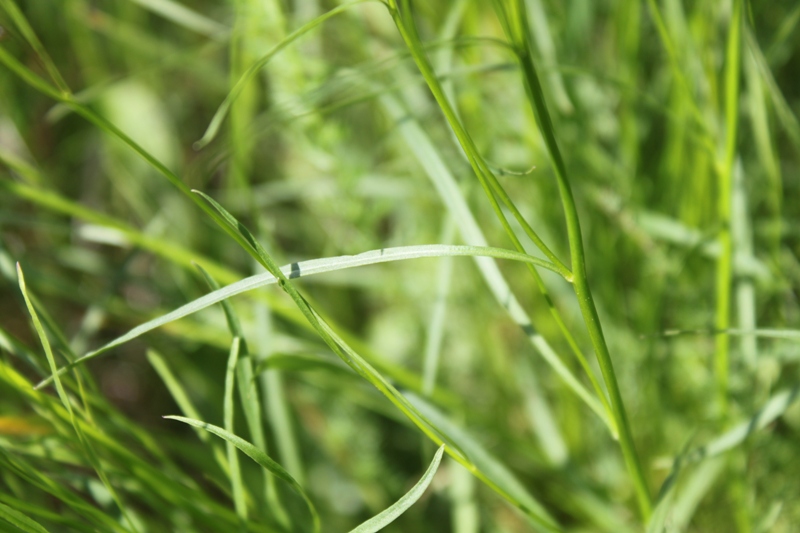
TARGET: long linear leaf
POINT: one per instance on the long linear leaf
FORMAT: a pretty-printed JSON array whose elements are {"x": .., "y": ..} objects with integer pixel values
[
  {"x": 237, "y": 487},
  {"x": 183, "y": 16},
  {"x": 88, "y": 449},
  {"x": 774, "y": 408},
  {"x": 20, "y": 521},
  {"x": 240, "y": 85},
  {"x": 256, "y": 455},
  {"x": 771, "y": 410},
  {"x": 248, "y": 393},
  {"x": 445, "y": 184},
  {"x": 298, "y": 270},
  {"x": 389, "y": 515},
  {"x": 536, "y": 514},
  {"x": 27, "y": 32},
  {"x": 482, "y": 459}
]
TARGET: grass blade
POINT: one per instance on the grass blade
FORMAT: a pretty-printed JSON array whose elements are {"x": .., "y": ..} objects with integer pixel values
[
  {"x": 380, "y": 521},
  {"x": 535, "y": 513},
  {"x": 185, "y": 404},
  {"x": 27, "y": 32},
  {"x": 483, "y": 461},
  {"x": 183, "y": 16},
  {"x": 771, "y": 410},
  {"x": 19, "y": 520},
  {"x": 222, "y": 111},
  {"x": 65, "y": 400},
  {"x": 227, "y": 412},
  {"x": 513, "y": 14},
  {"x": 298, "y": 270},
  {"x": 248, "y": 393},
  {"x": 258, "y": 456}
]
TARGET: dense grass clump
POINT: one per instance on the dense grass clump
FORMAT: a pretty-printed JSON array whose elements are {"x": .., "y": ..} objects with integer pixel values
[{"x": 504, "y": 266}]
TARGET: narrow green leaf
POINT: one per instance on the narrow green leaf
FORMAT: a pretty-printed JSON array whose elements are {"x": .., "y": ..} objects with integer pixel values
[
  {"x": 488, "y": 467},
  {"x": 248, "y": 393},
  {"x": 91, "y": 455},
  {"x": 364, "y": 369},
  {"x": 222, "y": 111},
  {"x": 27, "y": 32},
  {"x": 771, "y": 410},
  {"x": 519, "y": 35},
  {"x": 301, "y": 363},
  {"x": 186, "y": 17},
  {"x": 227, "y": 412},
  {"x": 445, "y": 184},
  {"x": 258, "y": 456},
  {"x": 19, "y": 520},
  {"x": 386, "y": 517},
  {"x": 298, "y": 270}
]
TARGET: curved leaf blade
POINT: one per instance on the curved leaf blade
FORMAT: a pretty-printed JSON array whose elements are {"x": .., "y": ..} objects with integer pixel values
[
  {"x": 256, "y": 455},
  {"x": 390, "y": 514},
  {"x": 20, "y": 521},
  {"x": 222, "y": 111},
  {"x": 298, "y": 270}
]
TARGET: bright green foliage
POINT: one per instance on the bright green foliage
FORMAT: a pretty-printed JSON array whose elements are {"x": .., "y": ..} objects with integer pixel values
[{"x": 555, "y": 240}]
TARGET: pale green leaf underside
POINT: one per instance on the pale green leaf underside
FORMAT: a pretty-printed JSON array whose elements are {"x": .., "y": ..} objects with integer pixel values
[{"x": 303, "y": 269}]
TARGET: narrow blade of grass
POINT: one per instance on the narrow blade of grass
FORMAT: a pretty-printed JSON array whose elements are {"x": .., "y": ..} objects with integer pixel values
[
  {"x": 297, "y": 270},
  {"x": 389, "y": 515},
  {"x": 27, "y": 32},
  {"x": 185, "y": 404},
  {"x": 513, "y": 16},
  {"x": 365, "y": 370},
  {"x": 251, "y": 403},
  {"x": 771, "y": 410},
  {"x": 185, "y": 17},
  {"x": 91, "y": 455},
  {"x": 227, "y": 412},
  {"x": 222, "y": 111},
  {"x": 259, "y": 457},
  {"x": 19, "y": 520},
  {"x": 483, "y": 461}
]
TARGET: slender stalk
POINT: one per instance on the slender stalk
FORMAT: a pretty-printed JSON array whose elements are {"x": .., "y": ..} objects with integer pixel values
[
  {"x": 517, "y": 28},
  {"x": 725, "y": 194},
  {"x": 487, "y": 179},
  {"x": 493, "y": 190}
]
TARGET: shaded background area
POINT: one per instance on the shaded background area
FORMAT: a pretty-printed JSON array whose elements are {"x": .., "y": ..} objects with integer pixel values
[{"x": 312, "y": 160}]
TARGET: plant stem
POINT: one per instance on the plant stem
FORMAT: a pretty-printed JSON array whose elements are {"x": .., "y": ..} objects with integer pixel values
[
  {"x": 493, "y": 190},
  {"x": 725, "y": 192},
  {"x": 488, "y": 181},
  {"x": 520, "y": 35}
]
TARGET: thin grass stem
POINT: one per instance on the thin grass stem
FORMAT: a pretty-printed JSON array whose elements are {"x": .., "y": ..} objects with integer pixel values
[
  {"x": 516, "y": 25},
  {"x": 724, "y": 275}
]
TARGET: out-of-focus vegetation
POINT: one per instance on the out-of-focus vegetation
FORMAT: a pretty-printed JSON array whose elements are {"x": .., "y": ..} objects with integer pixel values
[{"x": 322, "y": 130}]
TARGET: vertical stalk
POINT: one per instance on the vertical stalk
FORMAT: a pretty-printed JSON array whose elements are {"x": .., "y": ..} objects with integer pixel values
[
  {"x": 495, "y": 192},
  {"x": 516, "y": 26},
  {"x": 725, "y": 193}
]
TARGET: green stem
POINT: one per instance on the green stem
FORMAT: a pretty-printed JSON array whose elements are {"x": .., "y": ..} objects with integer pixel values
[
  {"x": 488, "y": 181},
  {"x": 519, "y": 34},
  {"x": 725, "y": 191},
  {"x": 493, "y": 190}
]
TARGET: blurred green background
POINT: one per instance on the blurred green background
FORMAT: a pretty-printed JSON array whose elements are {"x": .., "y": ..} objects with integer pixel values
[{"x": 327, "y": 152}]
